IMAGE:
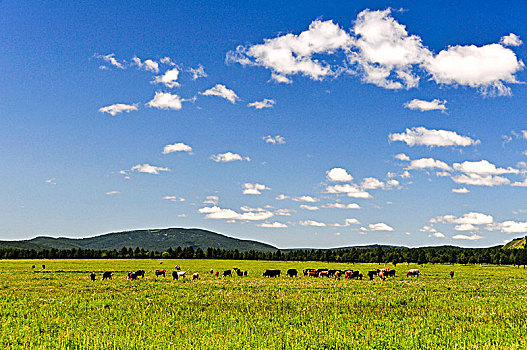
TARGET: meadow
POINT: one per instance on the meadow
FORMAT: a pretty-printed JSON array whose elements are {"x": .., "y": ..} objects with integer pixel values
[{"x": 482, "y": 307}]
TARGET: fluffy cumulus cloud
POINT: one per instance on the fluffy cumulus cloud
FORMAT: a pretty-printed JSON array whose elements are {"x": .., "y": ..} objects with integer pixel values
[
  {"x": 197, "y": 72},
  {"x": 281, "y": 197},
  {"x": 309, "y": 207},
  {"x": 249, "y": 188},
  {"x": 472, "y": 218},
  {"x": 223, "y": 92},
  {"x": 348, "y": 222},
  {"x": 485, "y": 67},
  {"x": 169, "y": 79},
  {"x": 211, "y": 200},
  {"x": 312, "y": 223},
  {"x": 473, "y": 237},
  {"x": 148, "y": 169},
  {"x": 428, "y": 163},
  {"x": 272, "y": 225},
  {"x": 384, "y": 51},
  {"x": 461, "y": 190},
  {"x": 434, "y": 138},
  {"x": 166, "y": 101},
  {"x": 425, "y": 106},
  {"x": 480, "y": 180},
  {"x": 218, "y": 213},
  {"x": 511, "y": 40},
  {"x": 110, "y": 59},
  {"x": 510, "y": 226},
  {"x": 111, "y": 193},
  {"x": 176, "y": 147},
  {"x": 148, "y": 65},
  {"x": 381, "y": 226},
  {"x": 483, "y": 167},
  {"x": 403, "y": 157},
  {"x": 351, "y": 190},
  {"x": 118, "y": 108},
  {"x": 266, "y": 103},
  {"x": 338, "y": 175},
  {"x": 342, "y": 206},
  {"x": 466, "y": 227},
  {"x": 307, "y": 199},
  {"x": 228, "y": 157},
  {"x": 275, "y": 140},
  {"x": 174, "y": 198},
  {"x": 293, "y": 54},
  {"x": 371, "y": 183}
]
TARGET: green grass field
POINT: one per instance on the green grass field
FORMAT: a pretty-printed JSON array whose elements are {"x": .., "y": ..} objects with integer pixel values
[{"x": 483, "y": 307}]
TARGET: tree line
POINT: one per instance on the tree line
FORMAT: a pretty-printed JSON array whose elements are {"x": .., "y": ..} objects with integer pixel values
[{"x": 379, "y": 255}]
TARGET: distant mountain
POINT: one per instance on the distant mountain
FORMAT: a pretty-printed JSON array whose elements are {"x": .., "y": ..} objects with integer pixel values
[
  {"x": 518, "y": 243},
  {"x": 159, "y": 240}
]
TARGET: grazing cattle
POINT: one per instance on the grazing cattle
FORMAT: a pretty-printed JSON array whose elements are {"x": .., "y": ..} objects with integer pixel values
[
  {"x": 33, "y": 266},
  {"x": 271, "y": 273},
  {"x": 331, "y": 272},
  {"x": 106, "y": 275},
  {"x": 175, "y": 276},
  {"x": 239, "y": 272},
  {"x": 140, "y": 273},
  {"x": 92, "y": 276},
  {"x": 291, "y": 273},
  {"x": 132, "y": 276},
  {"x": 382, "y": 275},
  {"x": 307, "y": 271},
  {"x": 412, "y": 272},
  {"x": 178, "y": 268},
  {"x": 337, "y": 275},
  {"x": 349, "y": 274},
  {"x": 226, "y": 273},
  {"x": 451, "y": 274},
  {"x": 371, "y": 274},
  {"x": 43, "y": 267},
  {"x": 235, "y": 268},
  {"x": 195, "y": 276},
  {"x": 160, "y": 272},
  {"x": 313, "y": 273},
  {"x": 181, "y": 274},
  {"x": 390, "y": 273},
  {"x": 245, "y": 273},
  {"x": 217, "y": 273},
  {"x": 323, "y": 274},
  {"x": 211, "y": 271}
]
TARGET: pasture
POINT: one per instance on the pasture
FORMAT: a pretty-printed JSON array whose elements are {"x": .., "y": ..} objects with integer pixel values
[{"x": 482, "y": 307}]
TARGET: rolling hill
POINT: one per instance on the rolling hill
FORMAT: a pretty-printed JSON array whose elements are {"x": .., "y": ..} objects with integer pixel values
[
  {"x": 159, "y": 240},
  {"x": 518, "y": 243}
]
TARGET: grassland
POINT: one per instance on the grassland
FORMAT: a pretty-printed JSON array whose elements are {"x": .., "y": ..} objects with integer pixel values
[{"x": 483, "y": 307}]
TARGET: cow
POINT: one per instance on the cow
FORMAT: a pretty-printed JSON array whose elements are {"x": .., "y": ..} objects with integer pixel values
[
  {"x": 412, "y": 272},
  {"x": 217, "y": 273},
  {"x": 331, "y": 272},
  {"x": 140, "y": 273},
  {"x": 211, "y": 271},
  {"x": 33, "y": 266},
  {"x": 382, "y": 275},
  {"x": 390, "y": 273},
  {"x": 451, "y": 274},
  {"x": 181, "y": 274},
  {"x": 245, "y": 273},
  {"x": 43, "y": 267},
  {"x": 178, "y": 268},
  {"x": 307, "y": 271},
  {"x": 271, "y": 273},
  {"x": 160, "y": 272},
  {"x": 313, "y": 273},
  {"x": 106, "y": 275},
  {"x": 195, "y": 276},
  {"x": 371, "y": 274},
  {"x": 291, "y": 273},
  {"x": 175, "y": 276},
  {"x": 226, "y": 273},
  {"x": 337, "y": 275},
  {"x": 323, "y": 274},
  {"x": 92, "y": 276},
  {"x": 132, "y": 275},
  {"x": 349, "y": 274}
]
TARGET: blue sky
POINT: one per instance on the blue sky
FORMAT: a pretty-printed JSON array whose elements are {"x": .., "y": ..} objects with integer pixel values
[{"x": 301, "y": 125}]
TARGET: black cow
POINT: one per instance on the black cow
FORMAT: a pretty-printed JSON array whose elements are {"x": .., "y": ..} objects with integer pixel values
[
  {"x": 331, "y": 272},
  {"x": 178, "y": 268},
  {"x": 271, "y": 273},
  {"x": 140, "y": 273},
  {"x": 43, "y": 267},
  {"x": 239, "y": 272},
  {"x": 106, "y": 275},
  {"x": 371, "y": 274},
  {"x": 175, "y": 275},
  {"x": 33, "y": 266},
  {"x": 245, "y": 273},
  {"x": 390, "y": 273},
  {"x": 160, "y": 272},
  {"x": 227, "y": 273},
  {"x": 291, "y": 273},
  {"x": 92, "y": 276},
  {"x": 132, "y": 275}
]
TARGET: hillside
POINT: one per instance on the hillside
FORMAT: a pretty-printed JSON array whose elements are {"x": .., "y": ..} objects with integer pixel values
[
  {"x": 159, "y": 240},
  {"x": 518, "y": 243}
]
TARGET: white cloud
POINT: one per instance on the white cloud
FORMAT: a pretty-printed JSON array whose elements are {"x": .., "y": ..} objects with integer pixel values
[
  {"x": 378, "y": 227},
  {"x": 428, "y": 163},
  {"x": 275, "y": 140},
  {"x": 167, "y": 61},
  {"x": 197, "y": 72},
  {"x": 273, "y": 225},
  {"x": 483, "y": 167},
  {"x": 211, "y": 200},
  {"x": 460, "y": 190},
  {"x": 266, "y": 103},
  {"x": 166, "y": 101},
  {"x": 309, "y": 207},
  {"x": 311, "y": 223},
  {"x": 386, "y": 53},
  {"x": 466, "y": 227},
  {"x": 111, "y": 60},
  {"x": 247, "y": 208},
  {"x": 281, "y": 197},
  {"x": 510, "y": 226},
  {"x": 436, "y": 235},
  {"x": 148, "y": 169},
  {"x": 249, "y": 188},
  {"x": 174, "y": 198},
  {"x": 147, "y": 65},
  {"x": 480, "y": 180},
  {"x": 351, "y": 190},
  {"x": 473, "y": 237},
  {"x": 348, "y": 222},
  {"x": 283, "y": 212},
  {"x": 118, "y": 108},
  {"x": 169, "y": 79},
  {"x": 292, "y": 54},
  {"x": 425, "y": 106},
  {"x": 472, "y": 218},
  {"x": 111, "y": 193},
  {"x": 486, "y": 67},
  {"x": 371, "y": 183},
  {"x": 218, "y": 213},
  {"x": 342, "y": 206},
  {"x": 222, "y": 91},
  {"x": 432, "y": 138},
  {"x": 176, "y": 147},
  {"x": 511, "y": 40},
  {"x": 338, "y": 175},
  {"x": 308, "y": 199},
  {"x": 403, "y": 157},
  {"x": 281, "y": 78},
  {"x": 520, "y": 184},
  {"x": 51, "y": 181},
  {"x": 228, "y": 157}
]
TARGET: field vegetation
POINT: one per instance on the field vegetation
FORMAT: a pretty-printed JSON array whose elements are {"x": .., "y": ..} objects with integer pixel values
[{"x": 482, "y": 307}]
